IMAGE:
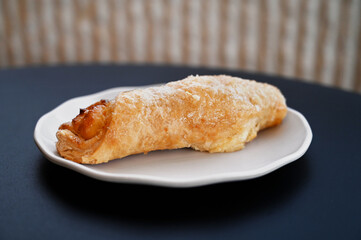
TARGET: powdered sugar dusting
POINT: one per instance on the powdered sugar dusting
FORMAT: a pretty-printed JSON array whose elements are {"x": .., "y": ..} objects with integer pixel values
[{"x": 226, "y": 88}]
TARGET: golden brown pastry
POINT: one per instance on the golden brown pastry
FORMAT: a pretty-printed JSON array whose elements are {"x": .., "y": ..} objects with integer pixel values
[{"x": 206, "y": 113}]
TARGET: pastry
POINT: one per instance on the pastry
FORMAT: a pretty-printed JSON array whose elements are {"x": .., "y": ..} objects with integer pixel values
[{"x": 206, "y": 113}]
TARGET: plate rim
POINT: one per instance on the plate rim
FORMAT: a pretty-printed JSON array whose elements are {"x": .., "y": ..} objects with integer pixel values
[{"x": 161, "y": 181}]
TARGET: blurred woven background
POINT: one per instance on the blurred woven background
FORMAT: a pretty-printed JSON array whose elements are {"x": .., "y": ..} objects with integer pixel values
[{"x": 313, "y": 40}]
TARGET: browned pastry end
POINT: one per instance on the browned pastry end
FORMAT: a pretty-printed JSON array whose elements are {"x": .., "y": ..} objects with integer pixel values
[{"x": 90, "y": 121}]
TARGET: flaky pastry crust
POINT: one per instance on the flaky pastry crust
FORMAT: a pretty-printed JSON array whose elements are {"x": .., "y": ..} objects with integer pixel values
[{"x": 206, "y": 113}]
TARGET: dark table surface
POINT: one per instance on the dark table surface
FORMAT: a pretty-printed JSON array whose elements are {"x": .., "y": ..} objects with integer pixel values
[{"x": 315, "y": 197}]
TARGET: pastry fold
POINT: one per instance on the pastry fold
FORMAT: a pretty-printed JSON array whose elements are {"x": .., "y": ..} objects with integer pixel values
[{"x": 206, "y": 113}]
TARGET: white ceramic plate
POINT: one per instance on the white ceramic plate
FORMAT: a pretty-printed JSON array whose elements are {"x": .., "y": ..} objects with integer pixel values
[{"x": 272, "y": 149}]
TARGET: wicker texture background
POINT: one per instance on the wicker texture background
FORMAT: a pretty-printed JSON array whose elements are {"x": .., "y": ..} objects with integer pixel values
[{"x": 314, "y": 40}]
